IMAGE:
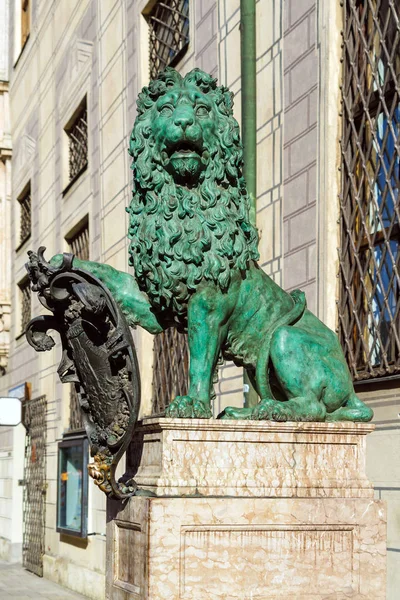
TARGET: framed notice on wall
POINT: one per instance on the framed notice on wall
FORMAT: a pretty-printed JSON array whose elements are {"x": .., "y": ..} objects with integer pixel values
[{"x": 72, "y": 485}]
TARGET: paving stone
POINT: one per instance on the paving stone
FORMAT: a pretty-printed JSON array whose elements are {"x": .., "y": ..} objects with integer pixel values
[{"x": 18, "y": 584}]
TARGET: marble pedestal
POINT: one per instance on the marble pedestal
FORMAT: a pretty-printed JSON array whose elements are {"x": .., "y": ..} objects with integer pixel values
[{"x": 248, "y": 510}]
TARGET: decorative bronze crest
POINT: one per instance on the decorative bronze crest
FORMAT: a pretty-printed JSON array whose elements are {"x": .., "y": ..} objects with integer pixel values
[{"x": 98, "y": 356}]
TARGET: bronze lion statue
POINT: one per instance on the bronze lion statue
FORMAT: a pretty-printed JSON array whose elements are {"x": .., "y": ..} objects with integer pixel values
[{"x": 194, "y": 254}]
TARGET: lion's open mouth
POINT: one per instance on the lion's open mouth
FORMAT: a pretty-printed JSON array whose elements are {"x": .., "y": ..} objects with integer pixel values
[
  {"x": 185, "y": 148},
  {"x": 185, "y": 160}
]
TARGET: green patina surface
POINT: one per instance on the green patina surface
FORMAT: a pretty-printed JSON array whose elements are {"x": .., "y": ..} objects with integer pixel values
[{"x": 194, "y": 253}]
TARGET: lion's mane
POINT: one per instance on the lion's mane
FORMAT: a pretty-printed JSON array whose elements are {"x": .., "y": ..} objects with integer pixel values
[{"x": 181, "y": 236}]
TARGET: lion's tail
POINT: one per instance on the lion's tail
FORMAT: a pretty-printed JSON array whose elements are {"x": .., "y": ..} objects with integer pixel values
[{"x": 291, "y": 317}]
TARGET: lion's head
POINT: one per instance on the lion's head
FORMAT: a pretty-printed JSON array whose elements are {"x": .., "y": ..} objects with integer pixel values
[{"x": 189, "y": 215}]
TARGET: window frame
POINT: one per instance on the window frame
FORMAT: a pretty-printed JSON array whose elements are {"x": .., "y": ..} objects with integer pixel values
[
  {"x": 170, "y": 368},
  {"x": 68, "y": 441},
  {"x": 368, "y": 270},
  {"x": 81, "y": 109},
  {"x": 22, "y": 285},
  {"x": 184, "y": 34},
  {"x": 75, "y": 233},
  {"x": 22, "y": 15},
  {"x": 26, "y": 192}
]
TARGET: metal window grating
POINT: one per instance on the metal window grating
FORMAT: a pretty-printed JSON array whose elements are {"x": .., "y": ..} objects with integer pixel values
[
  {"x": 25, "y": 224},
  {"x": 169, "y": 34},
  {"x": 25, "y": 291},
  {"x": 34, "y": 496},
  {"x": 79, "y": 246},
  {"x": 79, "y": 243},
  {"x": 369, "y": 204},
  {"x": 78, "y": 144},
  {"x": 75, "y": 411},
  {"x": 170, "y": 370}
]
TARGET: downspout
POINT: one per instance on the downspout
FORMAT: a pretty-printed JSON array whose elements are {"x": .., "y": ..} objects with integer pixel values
[
  {"x": 249, "y": 128},
  {"x": 249, "y": 98}
]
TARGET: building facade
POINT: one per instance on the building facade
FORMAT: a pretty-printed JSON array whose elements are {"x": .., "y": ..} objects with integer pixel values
[
  {"x": 327, "y": 209},
  {"x": 5, "y": 191},
  {"x": 10, "y": 440}
]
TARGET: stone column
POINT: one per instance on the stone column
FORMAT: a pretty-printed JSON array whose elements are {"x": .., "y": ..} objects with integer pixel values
[{"x": 248, "y": 510}]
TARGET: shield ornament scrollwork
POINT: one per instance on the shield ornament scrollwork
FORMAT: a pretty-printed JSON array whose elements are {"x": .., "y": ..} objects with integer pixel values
[{"x": 98, "y": 356}]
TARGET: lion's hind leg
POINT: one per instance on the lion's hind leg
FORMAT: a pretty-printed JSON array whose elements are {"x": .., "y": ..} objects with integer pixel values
[
  {"x": 353, "y": 410},
  {"x": 302, "y": 408}
]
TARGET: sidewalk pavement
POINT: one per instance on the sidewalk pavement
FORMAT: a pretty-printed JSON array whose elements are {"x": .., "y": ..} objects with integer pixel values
[{"x": 18, "y": 584}]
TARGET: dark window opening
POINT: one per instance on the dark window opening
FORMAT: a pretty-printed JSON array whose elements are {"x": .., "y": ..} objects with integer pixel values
[
  {"x": 79, "y": 242},
  {"x": 25, "y": 221},
  {"x": 77, "y": 133},
  {"x": 170, "y": 369},
  {"x": 25, "y": 299}
]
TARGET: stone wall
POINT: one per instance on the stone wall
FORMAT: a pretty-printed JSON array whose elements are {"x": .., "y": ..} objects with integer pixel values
[{"x": 300, "y": 61}]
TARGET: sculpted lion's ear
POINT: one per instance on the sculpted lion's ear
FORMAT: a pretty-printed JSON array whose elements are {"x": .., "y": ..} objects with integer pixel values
[
  {"x": 205, "y": 82},
  {"x": 169, "y": 77},
  {"x": 156, "y": 88},
  {"x": 225, "y": 100},
  {"x": 144, "y": 101},
  {"x": 228, "y": 99}
]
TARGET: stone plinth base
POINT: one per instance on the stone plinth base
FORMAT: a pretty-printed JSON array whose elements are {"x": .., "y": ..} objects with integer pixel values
[
  {"x": 249, "y": 511},
  {"x": 252, "y": 458}
]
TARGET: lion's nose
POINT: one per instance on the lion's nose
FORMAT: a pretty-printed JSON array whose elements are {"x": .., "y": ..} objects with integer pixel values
[{"x": 184, "y": 120}]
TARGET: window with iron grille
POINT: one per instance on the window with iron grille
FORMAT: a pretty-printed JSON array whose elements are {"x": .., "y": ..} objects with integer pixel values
[
  {"x": 25, "y": 303},
  {"x": 169, "y": 33},
  {"x": 77, "y": 133},
  {"x": 369, "y": 321},
  {"x": 79, "y": 246},
  {"x": 79, "y": 242},
  {"x": 25, "y": 221},
  {"x": 170, "y": 368}
]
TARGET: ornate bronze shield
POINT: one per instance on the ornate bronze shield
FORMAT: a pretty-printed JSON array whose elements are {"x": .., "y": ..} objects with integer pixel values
[{"x": 98, "y": 356}]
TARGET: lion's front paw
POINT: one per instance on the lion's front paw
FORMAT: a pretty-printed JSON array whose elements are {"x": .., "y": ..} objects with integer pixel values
[
  {"x": 185, "y": 407},
  {"x": 270, "y": 410}
]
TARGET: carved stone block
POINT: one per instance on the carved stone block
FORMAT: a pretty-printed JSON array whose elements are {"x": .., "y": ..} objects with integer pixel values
[
  {"x": 311, "y": 531},
  {"x": 252, "y": 458}
]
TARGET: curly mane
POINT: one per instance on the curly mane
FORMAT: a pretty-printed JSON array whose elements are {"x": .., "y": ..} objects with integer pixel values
[{"x": 179, "y": 235}]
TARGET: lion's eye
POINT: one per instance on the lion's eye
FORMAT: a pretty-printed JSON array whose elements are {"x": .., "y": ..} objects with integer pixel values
[
  {"x": 166, "y": 111},
  {"x": 202, "y": 111}
]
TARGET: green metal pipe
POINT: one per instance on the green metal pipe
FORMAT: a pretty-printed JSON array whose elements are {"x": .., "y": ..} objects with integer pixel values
[
  {"x": 249, "y": 97},
  {"x": 249, "y": 128}
]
